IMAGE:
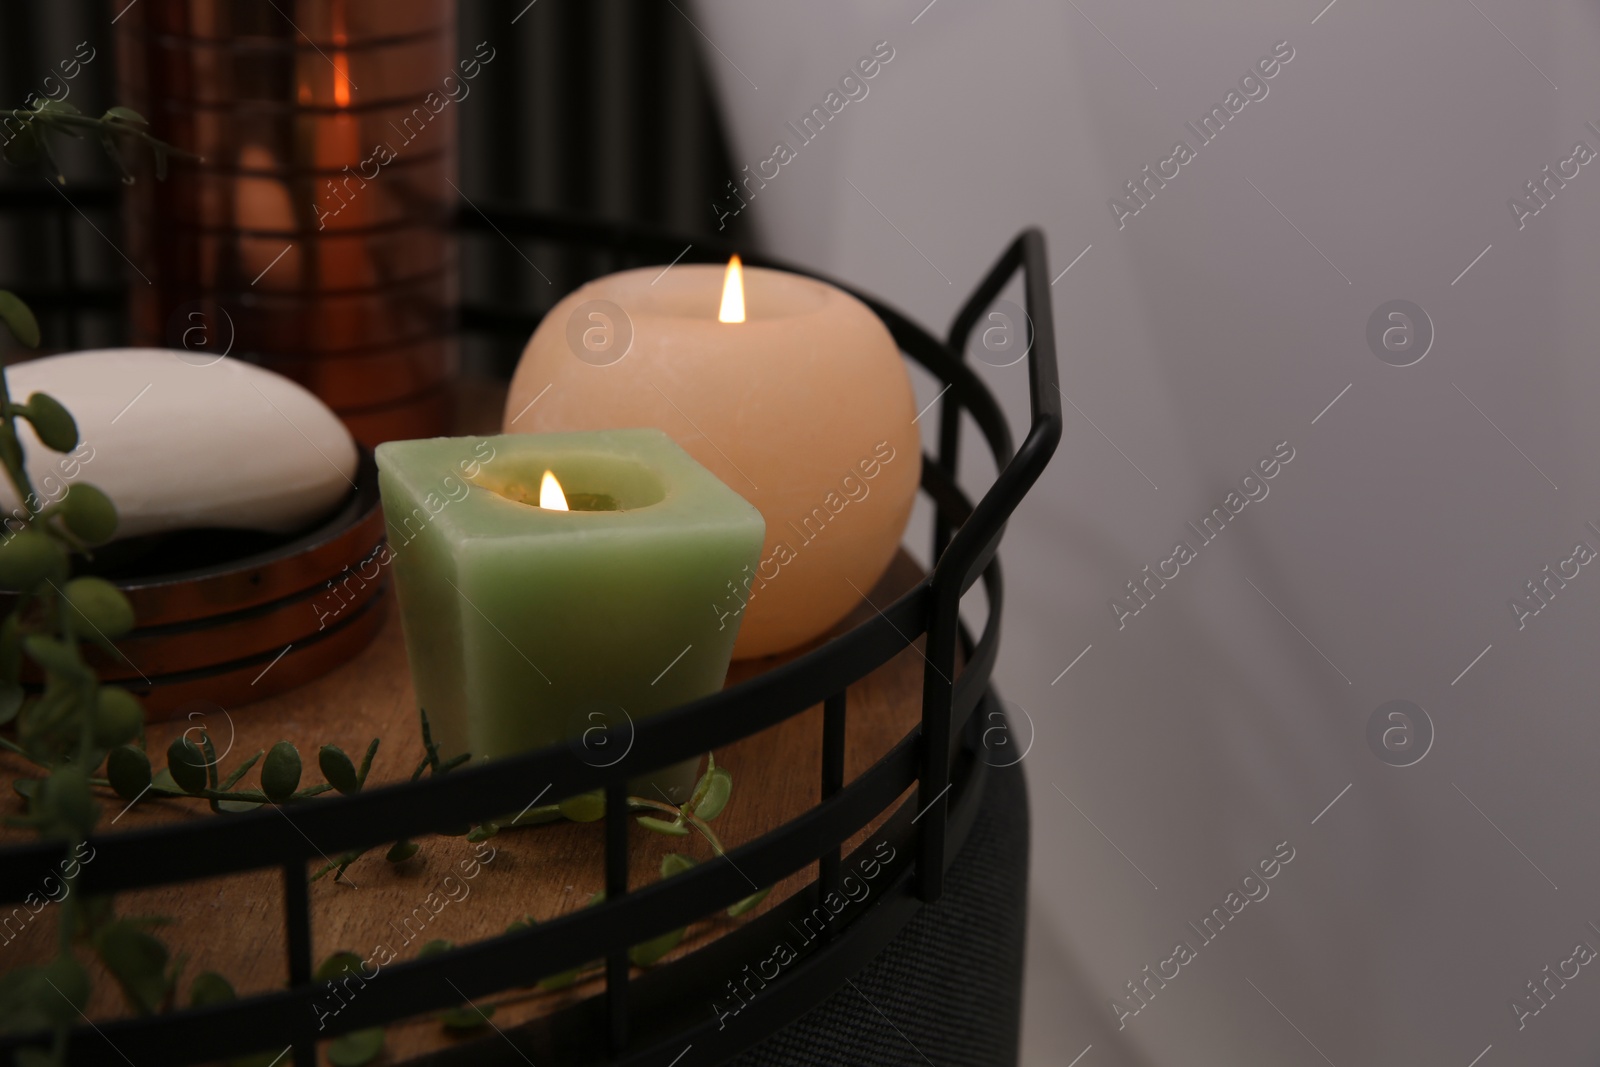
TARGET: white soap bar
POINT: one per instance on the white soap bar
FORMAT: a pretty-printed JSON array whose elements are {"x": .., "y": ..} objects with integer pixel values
[{"x": 177, "y": 443}]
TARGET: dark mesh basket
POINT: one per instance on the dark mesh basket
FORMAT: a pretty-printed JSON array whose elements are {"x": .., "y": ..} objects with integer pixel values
[{"x": 652, "y": 1018}]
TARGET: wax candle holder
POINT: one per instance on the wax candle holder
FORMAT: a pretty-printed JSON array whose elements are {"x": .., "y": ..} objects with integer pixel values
[
  {"x": 926, "y": 789},
  {"x": 530, "y": 625},
  {"x": 792, "y": 392}
]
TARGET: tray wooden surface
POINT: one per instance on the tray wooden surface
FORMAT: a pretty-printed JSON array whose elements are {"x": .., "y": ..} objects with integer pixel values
[{"x": 234, "y": 925}]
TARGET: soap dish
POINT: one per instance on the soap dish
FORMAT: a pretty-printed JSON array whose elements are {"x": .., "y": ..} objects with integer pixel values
[{"x": 226, "y": 617}]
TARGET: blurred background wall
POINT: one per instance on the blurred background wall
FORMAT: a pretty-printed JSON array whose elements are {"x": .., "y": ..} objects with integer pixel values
[{"x": 1205, "y": 324}]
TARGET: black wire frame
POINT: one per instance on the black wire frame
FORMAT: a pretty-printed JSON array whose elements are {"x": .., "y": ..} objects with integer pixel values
[{"x": 648, "y": 1020}]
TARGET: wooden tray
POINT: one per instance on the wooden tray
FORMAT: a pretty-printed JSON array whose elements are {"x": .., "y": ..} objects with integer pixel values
[{"x": 234, "y": 925}]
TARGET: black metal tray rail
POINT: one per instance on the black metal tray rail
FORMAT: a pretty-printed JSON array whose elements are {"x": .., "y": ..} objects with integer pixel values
[{"x": 642, "y": 1020}]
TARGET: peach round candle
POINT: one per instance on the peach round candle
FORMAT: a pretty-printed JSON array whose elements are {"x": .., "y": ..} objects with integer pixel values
[{"x": 804, "y": 408}]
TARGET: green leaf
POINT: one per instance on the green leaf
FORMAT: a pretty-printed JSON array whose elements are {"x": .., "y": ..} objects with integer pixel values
[
  {"x": 366, "y": 763},
  {"x": 239, "y": 772},
  {"x": 66, "y": 799},
  {"x": 11, "y": 695},
  {"x": 483, "y": 832},
  {"x": 118, "y": 716},
  {"x": 401, "y": 851},
  {"x": 427, "y": 741},
  {"x": 675, "y": 863},
  {"x": 21, "y": 1003},
  {"x": 648, "y": 953},
  {"x": 738, "y": 908},
  {"x": 337, "y": 769},
  {"x": 128, "y": 768},
  {"x": 536, "y": 816},
  {"x": 467, "y": 1017},
  {"x": 98, "y": 909},
  {"x": 100, "y": 604},
  {"x": 125, "y": 115},
  {"x": 717, "y": 794},
  {"x": 54, "y": 424},
  {"x": 138, "y": 961},
  {"x": 662, "y": 826},
  {"x": 186, "y": 765},
  {"x": 18, "y": 317},
  {"x": 210, "y": 988},
  {"x": 109, "y": 144},
  {"x": 51, "y": 711},
  {"x": 239, "y": 807},
  {"x": 211, "y": 760},
  {"x": 66, "y": 990},
  {"x": 26, "y": 787},
  {"x": 11, "y": 635},
  {"x": 337, "y": 965},
  {"x": 259, "y": 1059},
  {"x": 29, "y": 559},
  {"x": 54, "y": 655},
  {"x": 280, "y": 774},
  {"x": 163, "y": 779},
  {"x": 89, "y": 513},
  {"x": 11, "y": 452},
  {"x": 704, "y": 781},
  {"x": 97, "y": 755},
  {"x": 23, "y": 149},
  {"x": 564, "y": 980},
  {"x": 175, "y": 974},
  {"x": 585, "y": 807},
  {"x": 356, "y": 1048}
]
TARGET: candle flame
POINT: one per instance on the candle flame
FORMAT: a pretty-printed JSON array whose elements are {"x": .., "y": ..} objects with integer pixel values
[
  {"x": 341, "y": 59},
  {"x": 341, "y": 79},
  {"x": 732, "y": 293},
  {"x": 551, "y": 498}
]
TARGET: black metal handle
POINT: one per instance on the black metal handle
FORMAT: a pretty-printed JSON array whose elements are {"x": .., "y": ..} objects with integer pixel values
[{"x": 965, "y": 556}]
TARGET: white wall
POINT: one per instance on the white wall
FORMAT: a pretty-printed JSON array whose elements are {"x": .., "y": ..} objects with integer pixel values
[{"x": 1215, "y": 324}]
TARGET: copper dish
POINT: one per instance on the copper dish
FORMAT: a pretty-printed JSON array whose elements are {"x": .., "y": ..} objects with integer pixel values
[{"x": 300, "y": 604}]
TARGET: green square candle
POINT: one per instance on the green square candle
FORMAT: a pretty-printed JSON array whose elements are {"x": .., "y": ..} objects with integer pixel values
[{"x": 525, "y": 624}]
